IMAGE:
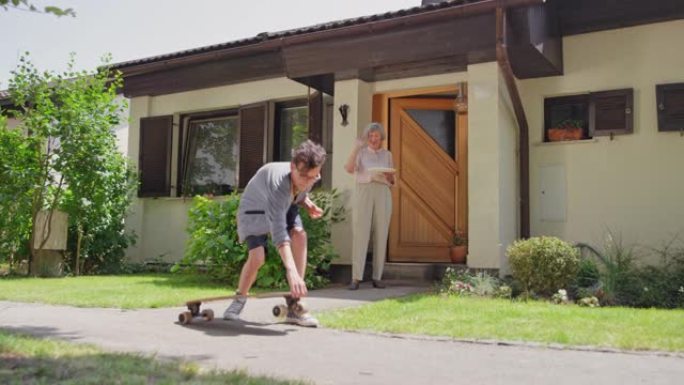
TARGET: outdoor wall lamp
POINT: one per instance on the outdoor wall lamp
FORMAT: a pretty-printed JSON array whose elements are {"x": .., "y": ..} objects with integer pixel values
[{"x": 344, "y": 111}]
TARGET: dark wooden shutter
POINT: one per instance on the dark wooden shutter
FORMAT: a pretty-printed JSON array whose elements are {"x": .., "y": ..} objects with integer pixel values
[
  {"x": 611, "y": 112},
  {"x": 155, "y": 156},
  {"x": 253, "y": 121},
  {"x": 316, "y": 117},
  {"x": 670, "y": 104}
]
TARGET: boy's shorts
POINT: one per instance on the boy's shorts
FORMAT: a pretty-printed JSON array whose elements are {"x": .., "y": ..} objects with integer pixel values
[{"x": 292, "y": 219}]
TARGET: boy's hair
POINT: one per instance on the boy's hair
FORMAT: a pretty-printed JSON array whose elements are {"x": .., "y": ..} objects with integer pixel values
[{"x": 308, "y": 155}]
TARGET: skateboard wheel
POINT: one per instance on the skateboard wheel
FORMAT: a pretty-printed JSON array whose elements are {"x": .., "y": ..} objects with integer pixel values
[
  {"x": 185, "y": 318},
  {"x": 207, "y": 314},
  {"x": 279, "y": 311}
]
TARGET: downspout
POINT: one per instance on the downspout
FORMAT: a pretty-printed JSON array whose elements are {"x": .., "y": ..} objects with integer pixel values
[{"x": 523, "y": 138}]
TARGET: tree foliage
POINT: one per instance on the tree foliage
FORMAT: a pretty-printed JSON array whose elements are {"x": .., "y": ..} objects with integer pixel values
[
  {"x": 18, "y": 166},
  {"x": 25, "y": 5},
  {"x": 76, "y": 167}
]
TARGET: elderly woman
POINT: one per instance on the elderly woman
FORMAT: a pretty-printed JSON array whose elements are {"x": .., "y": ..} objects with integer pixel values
[{"x": 373, "y": 167}]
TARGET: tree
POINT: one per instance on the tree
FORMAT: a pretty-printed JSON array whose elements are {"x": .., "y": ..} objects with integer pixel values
[
  {"x": 18, "y": 168},
  {"x": 69, "y": 119},
  {"x": 24, "y": 5}
]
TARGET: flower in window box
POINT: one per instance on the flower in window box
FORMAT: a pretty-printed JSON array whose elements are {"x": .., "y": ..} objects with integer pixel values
[{"x": 569, "y": 129}]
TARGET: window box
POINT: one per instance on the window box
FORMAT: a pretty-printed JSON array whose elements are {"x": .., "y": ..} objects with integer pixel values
[
  {"x": 566, "y": 130},
  {"x": 585, "y": 116}
]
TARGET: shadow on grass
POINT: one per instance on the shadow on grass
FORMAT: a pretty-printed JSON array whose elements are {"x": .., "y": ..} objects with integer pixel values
[{"x": 74, "y": 364}]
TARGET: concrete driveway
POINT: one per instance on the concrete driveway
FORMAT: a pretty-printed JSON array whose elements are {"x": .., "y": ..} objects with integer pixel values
[{"x": 326, "y": 356}]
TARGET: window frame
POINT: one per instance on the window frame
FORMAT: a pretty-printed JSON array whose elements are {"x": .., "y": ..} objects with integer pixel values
[
  {"x": 183, "y": 132},
  {"x": 277, "y": 129},
  {"x": 551, "y": 102}
]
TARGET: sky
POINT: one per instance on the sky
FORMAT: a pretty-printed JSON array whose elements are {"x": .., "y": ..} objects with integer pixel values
[{"x": 135, "y": 29}]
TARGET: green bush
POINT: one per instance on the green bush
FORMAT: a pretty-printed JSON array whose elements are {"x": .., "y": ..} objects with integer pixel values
[
  {"x": 661, "y": 285},
  {"x": 214, "y": 247},
  {"x": 543, "y": 265},
  {"x": 625, "y": 283}
]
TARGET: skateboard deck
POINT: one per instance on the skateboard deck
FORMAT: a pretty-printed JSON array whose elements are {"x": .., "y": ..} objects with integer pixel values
[{"x": 195, "y": 311}]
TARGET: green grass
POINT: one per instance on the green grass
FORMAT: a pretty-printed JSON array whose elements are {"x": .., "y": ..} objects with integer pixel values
[
  {"x": 123, "y": 291},
  {"x": 492, "y": 319},
  {"x": 28, "y": 360}
]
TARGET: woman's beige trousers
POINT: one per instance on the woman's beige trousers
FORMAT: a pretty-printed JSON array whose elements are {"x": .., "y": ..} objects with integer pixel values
[{"x": 372, "y": 206}]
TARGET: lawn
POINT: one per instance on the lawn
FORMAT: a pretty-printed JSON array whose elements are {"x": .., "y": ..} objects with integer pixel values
[
  {"x": 121, "y": 291},
  {"x": 477, "y": 318},
  {"x": 28, "y": 360}
]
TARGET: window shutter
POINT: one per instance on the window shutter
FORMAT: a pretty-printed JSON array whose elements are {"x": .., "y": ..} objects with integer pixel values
[
  {"x": 316, "y": 117},
  {"x": 670, "y": 104},
  {"x": 611, "y": 112},
  {"x": 155, "y": 156},
  {"x": 253, "y": 125}
]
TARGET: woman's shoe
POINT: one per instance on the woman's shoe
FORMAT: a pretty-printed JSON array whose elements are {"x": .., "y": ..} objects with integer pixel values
[
  {"x": 378, "y": 284},
  {"x": 354, "y": 285}
]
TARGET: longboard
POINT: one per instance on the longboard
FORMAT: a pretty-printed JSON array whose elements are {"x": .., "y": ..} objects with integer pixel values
[{"x": 195, "y": 312}]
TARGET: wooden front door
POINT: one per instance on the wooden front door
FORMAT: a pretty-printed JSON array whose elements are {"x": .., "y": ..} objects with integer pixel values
[{"x": 428, "y": 140}]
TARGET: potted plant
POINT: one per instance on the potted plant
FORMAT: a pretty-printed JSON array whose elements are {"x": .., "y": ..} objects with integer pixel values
[
  {"x": 459, "y": 247},
  {"x": 568, "y": 129}
]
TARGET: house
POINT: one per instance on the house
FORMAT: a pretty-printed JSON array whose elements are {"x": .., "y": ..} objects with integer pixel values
[{"x": 472, "y": 94}]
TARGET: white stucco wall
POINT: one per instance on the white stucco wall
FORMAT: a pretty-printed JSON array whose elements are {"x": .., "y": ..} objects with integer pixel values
[
  {"x": 634, "y": 184},
  {"x": 358, "y": 95},
  {"x": 509, "y": 175},
  {"x": 491, "y": 167},
  {"x": 12, "y": 122}
]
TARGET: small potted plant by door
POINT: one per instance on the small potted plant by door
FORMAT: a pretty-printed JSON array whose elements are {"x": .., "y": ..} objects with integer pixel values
[
  {"x": 569, "y": 129},
  {"x": 459, "y": 248}
]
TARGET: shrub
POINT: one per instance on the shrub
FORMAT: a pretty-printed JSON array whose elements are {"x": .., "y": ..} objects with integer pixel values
[
  {"x": 543, "y": 265},
  {"x": 623, "y": 282},
  {"x": 662, "y": 285},
  {"x": 588, "y": 274},
  {"x": 214, "y": 246}
]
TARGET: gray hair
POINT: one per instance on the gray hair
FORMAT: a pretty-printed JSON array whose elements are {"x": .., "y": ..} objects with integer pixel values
[
  {"x": 374, "y": 127},
  {"x": 308, "y": 155}
]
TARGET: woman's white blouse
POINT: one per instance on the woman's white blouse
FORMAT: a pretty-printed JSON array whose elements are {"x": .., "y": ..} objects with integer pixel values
[{"x": 368, "y": 158}]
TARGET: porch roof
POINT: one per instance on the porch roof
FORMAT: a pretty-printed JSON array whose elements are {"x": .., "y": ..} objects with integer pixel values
[{"x": 422, "y": 40}]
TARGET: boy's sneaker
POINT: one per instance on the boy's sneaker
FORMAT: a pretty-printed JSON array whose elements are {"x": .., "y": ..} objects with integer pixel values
[
  {"x": 234, "y": 310},
  {"x": 304, "y": 319}
]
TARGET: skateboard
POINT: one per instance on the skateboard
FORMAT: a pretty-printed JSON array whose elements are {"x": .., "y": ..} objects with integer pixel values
[{"x": 196, "y": 313}]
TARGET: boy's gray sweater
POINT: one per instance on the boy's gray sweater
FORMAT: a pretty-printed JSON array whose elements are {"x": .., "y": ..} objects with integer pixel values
[{"x": 265, "y": 201}]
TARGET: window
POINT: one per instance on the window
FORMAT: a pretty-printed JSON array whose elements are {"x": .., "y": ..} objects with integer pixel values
[
  {"x": 670, "y": 104},
  {"x": 292, "y": 128},
  {"x": 210, "y": 156},
  {"x": 565, "y": 118},
  {"x": 218, "y": 152},
  {"x": 584, "y": 116}
]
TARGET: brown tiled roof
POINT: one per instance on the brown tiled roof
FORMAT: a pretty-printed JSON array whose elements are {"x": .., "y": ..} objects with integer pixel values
[{"x": 264, "y": 36}]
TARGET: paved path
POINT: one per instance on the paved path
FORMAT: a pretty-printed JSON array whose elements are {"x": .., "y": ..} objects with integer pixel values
[{"x": 326, "y": 356}]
